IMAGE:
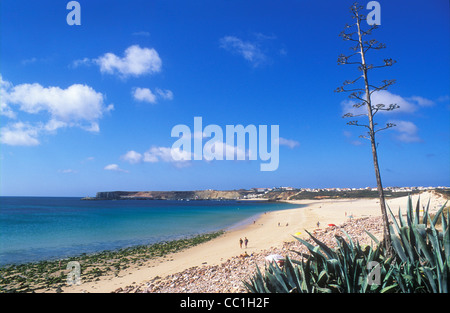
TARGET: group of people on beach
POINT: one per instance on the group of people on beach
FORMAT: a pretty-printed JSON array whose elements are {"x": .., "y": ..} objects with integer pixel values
[{"x": 245, "y": 241}]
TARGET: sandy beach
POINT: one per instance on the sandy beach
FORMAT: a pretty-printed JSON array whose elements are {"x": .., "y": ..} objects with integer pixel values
[{"x": 270, "y": 231}]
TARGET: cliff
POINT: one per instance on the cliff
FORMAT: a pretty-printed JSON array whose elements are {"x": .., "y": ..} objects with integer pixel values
[{"x": 171, "y": 195}]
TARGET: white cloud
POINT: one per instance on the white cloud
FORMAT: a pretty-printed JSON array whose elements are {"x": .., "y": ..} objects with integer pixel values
[
  {"x": 406, "y": 105},
  {"x": 421, "y": 101},
  {"x": 176, "y": 156},
  {"x": 5, "y": 109},
  {"x": 288, "y": 142},
  {"x": 80, "y": 62},
  {"x": 114, "y": 167},
  {"x": 407, "y": 131},
  {"x": 165, "y": 94},
  {"x": 136, "y": 61},
  {"x": 76, "y": 106},
  {"x": 144, "y": 94},
  {"x": 19, "y": 134},
  {"x": 222, "y": 149},
  {"x": 182, "y": 158},
  {"x": 249, "y": 50},
  {"x": 132, "y": 157}
]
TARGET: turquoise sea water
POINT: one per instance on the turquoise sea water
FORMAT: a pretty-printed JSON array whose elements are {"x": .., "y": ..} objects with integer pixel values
[{"x": 43, "y": 228}]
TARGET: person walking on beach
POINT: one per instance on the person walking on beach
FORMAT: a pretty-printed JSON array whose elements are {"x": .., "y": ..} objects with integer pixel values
[
  {"x": 240, "y": 242},
  {"x": 246, "y": 242}
]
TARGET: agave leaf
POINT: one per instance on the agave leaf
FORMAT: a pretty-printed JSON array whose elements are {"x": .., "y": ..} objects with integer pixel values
[
  {"x": 448, "y": 219},
  {"x": 329, "y": 252},
  {"x": 436, "y": 217},
  {"x": 407, "y": 242},
  {"x": 416, "y": 217},
  {"x": 322, "y": 289},
  {"x": 261, "y": 283},
  {"x": 446, "y": 245},
  {"x": 305, "y": 277},
  {"x": 291, "y": 274},
  {"x": 423, "y": 247},
  {"x": 398, "y": 248},
  {"x": 445, "y": 221},
  {"x": 425, "y": 213},
  {"x": 309, "y": 246},
  {"x": 434, "y": 239},
  {"x": 279, "y": 275},
  {"x": 445, "y": 278},
  {"x": 388, "y": 288},
  {"x": 409, "y": 210},
  {"x": 428, "y": 272},
  {"x": 373, "y": 237},
  {"x": 323, "y": 277},
  {"x": 344, "y": 246},
  {"x": 279, "y": 285},
  {"x": 397, "y": 227},
  {"x": 349, "y": 238}
]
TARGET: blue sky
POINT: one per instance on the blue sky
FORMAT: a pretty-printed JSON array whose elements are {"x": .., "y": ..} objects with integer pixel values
[{"x": 90, "y": 107}]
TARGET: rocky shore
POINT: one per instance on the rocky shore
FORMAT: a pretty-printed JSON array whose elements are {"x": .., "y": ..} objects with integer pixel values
[{"x": 228, "y": 276}]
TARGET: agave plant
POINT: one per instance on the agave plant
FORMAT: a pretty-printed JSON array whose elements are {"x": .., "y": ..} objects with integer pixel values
[
  {"x": 424, "y": 251},
  {"x": 344, "y": 269},
  {"x": 419, "y": 262}
]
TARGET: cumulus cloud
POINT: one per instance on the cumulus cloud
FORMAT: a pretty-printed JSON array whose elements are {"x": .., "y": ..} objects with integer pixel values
[
  {"x": 175, "y": 156},
  {"x": 76, "y": 106},
  {"x": 19, "y": 134},
  {"x": 248, "y": 50},
  {"x": 406, "y": 131},
  {"x": 219, "y": 150},
  {"x": 165, "y": 94},
  {"x": 144, "y": 95},
  {"x": 114, "y": 167},
  {"x": 132, "y": 157},
  {"x": 182, "y": 158},
  {"x": 136, "y": 61},
  {"x": 5, "y": 108},
  {"x": 406, "y": 104}
]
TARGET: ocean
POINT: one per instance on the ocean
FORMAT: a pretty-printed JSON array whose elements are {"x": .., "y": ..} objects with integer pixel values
[{"x": 46, "y": 228}]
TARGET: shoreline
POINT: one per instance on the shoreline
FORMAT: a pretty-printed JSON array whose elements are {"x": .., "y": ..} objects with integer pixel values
[
  {"x": 270, "y": 231},
  {"x": 264, "y": 234}
]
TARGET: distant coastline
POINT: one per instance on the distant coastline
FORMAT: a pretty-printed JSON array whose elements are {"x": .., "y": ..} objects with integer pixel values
[{"x": 264, "y": 194}]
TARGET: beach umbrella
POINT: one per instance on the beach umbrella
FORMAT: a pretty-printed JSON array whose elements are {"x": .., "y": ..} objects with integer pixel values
[{"x": 298, "y": 234}]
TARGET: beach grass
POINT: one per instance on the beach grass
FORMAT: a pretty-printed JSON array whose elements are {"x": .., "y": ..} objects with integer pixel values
[{"x": 52, "y": 275}]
